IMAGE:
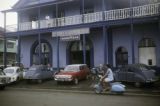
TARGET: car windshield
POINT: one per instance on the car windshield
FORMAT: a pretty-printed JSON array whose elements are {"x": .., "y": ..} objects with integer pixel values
[
  {"x": 1, "y": 73},
  {"x": 32, "y": 69},
  {"x": 141, "y": 66},
  {"x": 9, "y": 70},
  {"x": 71, "y": 68}
]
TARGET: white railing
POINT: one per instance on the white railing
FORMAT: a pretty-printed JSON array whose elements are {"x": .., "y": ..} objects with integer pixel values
[
  {"x": 93, "y": 17},
  {"x": 146, "y": 10},
  {"x": 117, "y": 14},
  {"x": 48, "y": 23},
  {"x": 11, "y": 28},
  {"x": 135, "y": 12},
  {"x": 73, "y": 20},
  {"x": 25, "y": 26}
]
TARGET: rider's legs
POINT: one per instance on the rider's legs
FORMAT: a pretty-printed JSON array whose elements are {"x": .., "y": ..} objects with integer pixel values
[{"x": 106, "y": 83}]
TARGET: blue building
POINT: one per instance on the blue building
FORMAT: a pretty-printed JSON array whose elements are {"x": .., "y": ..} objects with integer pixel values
[{"x": 61, "y": 32}]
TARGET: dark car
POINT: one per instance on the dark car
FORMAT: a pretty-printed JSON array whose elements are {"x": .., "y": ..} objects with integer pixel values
[
  {"x": 38, "y": 73},
  {"x": 137, "y": 73}
]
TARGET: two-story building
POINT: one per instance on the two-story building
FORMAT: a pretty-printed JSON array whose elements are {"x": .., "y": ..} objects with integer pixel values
[
  {"x": 11, "y": 49},
  {"x": 61, "y": 32}
]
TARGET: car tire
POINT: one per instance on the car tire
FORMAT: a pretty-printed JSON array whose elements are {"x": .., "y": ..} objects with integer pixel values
[
  {"x": 137, "y": 84},
  {"x": 2, "y": 87},
  {"x": 76, "y": 81}
]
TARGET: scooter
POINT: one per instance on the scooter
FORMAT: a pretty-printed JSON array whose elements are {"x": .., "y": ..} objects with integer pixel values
[{"x": 115, "y": 87}]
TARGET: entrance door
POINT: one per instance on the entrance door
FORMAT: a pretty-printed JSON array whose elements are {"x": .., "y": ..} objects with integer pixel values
[
  {"x": 76, "y": 53},
  {"x": 46, "y": 53},
  {"x": 121, "y": 56}
]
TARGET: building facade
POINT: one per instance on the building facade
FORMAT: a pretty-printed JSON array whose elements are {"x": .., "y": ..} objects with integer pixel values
[
  {"x": 62, "y": 32},
  {"x": 10, "y": 51}
]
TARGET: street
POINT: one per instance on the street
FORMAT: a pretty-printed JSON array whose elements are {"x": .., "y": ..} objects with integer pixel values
[{"x": 47, "y": 98}]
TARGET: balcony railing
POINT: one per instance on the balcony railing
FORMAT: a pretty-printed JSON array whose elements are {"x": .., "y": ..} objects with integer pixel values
[{"x": 117, "y": 14}]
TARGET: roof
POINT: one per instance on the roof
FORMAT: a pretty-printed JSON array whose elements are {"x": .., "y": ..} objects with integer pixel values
[{"x": 30, "y": 3}]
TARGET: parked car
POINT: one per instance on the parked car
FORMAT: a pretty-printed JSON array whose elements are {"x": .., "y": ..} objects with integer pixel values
[
  {"x": 73, "y": 73},
  {"x": 4, "y": 80},
  {"x": 38, "y": 73},
  {"x": 157, "y": 69},
  {"x": 15, "y": 73},
  {"x": 137, "y": 73}
]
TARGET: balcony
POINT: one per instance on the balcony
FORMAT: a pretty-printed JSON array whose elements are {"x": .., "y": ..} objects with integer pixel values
[{"x": 117, "y": 14}]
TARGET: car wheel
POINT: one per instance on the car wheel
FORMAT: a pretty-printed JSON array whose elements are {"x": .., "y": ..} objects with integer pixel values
[
  {"x": 137, "y": 84},
  {"x": 76, "y": 81},
  {"x": 2, "y": 87}
]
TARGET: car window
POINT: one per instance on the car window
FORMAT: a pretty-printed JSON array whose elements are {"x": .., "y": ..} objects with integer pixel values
[
  {"x": 130, "y": 70},
  {"x": 33, "y": 69},
  {"x": 71, "y": 68},
  {"x": 8, "y": 70}
]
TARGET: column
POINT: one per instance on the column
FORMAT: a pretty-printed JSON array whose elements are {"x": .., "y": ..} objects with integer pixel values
[
  {"x": 19, "y": 44},
  {"x": 84, "y": 49},
  {"x": 58, "y": 66},
  {"x": 105, "y": 45},
  {"x": 5, "y": 43},
  {"x": 39, "y": 37},
  {"x": 132, "y": 33}
]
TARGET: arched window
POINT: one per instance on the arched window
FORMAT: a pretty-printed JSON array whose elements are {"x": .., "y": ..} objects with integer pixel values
[
  {"x": 146, "y": 42},
  {"x": 46, "y": 53}
]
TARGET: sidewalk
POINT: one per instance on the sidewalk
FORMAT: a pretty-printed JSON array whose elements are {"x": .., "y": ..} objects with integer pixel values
[{"x": 85, "y": 86}]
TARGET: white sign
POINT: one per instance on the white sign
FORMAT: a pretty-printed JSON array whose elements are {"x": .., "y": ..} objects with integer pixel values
[
  {"x": 71, "y": 32},
  {"x": 70, "y": 38}
]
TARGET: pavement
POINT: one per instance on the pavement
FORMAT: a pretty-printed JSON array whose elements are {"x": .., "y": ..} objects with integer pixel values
[{"x": 85, "y": 86}]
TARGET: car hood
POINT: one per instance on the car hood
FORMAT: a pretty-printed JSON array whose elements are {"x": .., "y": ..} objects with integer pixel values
[
  {"x": 10, "y": 75},
  {"x": 30, "y": 73}
]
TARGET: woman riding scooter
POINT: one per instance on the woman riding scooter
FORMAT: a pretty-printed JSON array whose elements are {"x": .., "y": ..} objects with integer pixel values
[{"x": 107, "y": 77}]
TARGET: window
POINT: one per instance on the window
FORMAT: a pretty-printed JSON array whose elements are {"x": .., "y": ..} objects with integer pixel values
[
  {"x": 10, "y": 45},
  {"x": 146, "y": 42}
]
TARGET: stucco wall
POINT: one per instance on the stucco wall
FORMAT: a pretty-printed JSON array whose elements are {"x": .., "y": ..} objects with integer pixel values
[{"x": 121, "y": 37}]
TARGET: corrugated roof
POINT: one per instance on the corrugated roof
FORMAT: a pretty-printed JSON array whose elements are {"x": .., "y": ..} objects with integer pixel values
[{"x": 28, "y": 3}]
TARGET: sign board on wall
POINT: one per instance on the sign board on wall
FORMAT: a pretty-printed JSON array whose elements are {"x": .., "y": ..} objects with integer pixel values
[{"x": 71, "y": 32}]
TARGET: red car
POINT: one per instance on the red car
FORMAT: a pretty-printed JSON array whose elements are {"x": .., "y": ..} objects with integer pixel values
[{"x": 73, "y": 73}]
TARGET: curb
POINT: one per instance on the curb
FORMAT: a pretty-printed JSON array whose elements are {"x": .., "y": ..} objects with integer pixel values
[{"x": 127, "y": 93}]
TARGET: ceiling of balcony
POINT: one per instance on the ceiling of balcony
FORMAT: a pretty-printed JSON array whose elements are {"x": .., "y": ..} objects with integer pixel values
[{"x": 126, "y": 3}]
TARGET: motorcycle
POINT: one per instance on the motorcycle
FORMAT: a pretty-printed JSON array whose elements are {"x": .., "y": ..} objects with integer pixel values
[{"x": 114, "y": 87}]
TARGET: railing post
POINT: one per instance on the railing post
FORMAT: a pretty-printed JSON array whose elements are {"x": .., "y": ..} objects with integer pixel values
[
  {"x": 103, "y": 10},
  {"x": 83, "y": 17}
]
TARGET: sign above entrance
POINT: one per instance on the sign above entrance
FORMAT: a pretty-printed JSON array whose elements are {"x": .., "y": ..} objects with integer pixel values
[
  {"x": 71, "y": 32},
  {"x": 70, "y": 38}
]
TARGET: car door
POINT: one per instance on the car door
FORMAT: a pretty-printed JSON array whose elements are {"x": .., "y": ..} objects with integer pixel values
[
  {"x": 82, "y": 72},
  {"x": 122, "y": 74},
  {"x": 130, "y": 74},
  {"x": 19, "y": 72}
]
